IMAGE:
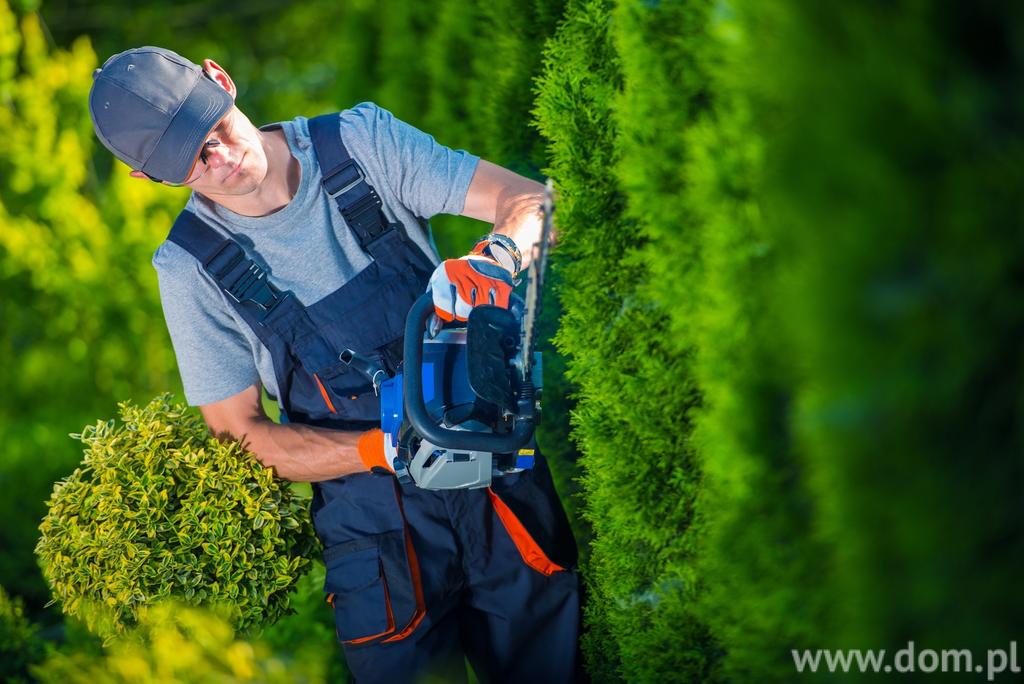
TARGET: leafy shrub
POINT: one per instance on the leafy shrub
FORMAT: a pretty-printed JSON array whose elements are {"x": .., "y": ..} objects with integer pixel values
[
  {"x": 158, "y": 508},
  {"x": 19, "y": 644},
  {"x": 176, "y": 643}
]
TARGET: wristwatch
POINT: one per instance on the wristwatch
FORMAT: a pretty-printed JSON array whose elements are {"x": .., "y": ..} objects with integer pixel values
[{"x": 502, "y": 249}]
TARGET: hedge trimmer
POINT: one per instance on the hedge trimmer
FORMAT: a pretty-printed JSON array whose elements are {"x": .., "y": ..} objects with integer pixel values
[{"x": 467, "y": 414}]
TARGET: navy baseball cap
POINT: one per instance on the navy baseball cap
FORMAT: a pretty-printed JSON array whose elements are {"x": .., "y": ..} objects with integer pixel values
[{"x": 154, "y": 109}]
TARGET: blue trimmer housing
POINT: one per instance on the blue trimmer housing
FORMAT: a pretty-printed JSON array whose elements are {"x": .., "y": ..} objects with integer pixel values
[{"x": 466, "y": 415}]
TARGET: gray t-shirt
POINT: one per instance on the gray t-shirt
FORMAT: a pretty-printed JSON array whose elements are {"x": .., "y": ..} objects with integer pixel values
[{"x": 306, "y": 246}]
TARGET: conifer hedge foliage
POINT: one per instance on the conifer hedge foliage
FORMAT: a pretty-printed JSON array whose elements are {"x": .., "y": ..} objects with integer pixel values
[
  {"x": 160, "y": 508},
  {"x": 631, "y": 421},
  {"x": 790, "y": 313}
]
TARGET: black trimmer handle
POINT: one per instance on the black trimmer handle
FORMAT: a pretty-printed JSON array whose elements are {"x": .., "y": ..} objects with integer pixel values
[{"x": 416, "y": 409}]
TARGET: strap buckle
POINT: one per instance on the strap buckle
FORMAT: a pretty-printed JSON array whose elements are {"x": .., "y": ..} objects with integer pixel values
[
  {"x": 251, "y": 285},
  {"x": 339, "y": 180}
]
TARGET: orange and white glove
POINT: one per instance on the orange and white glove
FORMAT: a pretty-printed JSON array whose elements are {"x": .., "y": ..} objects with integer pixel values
[
  {"x": 458, "y": 285},
  {"x": 371, "y": 450}
]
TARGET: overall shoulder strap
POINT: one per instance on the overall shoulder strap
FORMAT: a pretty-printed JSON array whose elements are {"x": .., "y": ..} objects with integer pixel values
[
  {"x": 244, "y": 281},
  {"x": 275, "y": 316},
  {"x": 346, "y": 183}
]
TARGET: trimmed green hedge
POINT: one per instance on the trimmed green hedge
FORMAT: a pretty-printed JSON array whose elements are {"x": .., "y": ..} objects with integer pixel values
[
  {"x": 635, "y": 398},
  {"x": 161, "y": 508},
  {"x": 574, "y": 97},
  {"x": 790, "y": 310}
]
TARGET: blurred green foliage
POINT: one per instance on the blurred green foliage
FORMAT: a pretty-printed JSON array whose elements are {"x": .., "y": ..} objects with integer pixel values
[
  {"x": 20, "y": 644},
  {"x": 79, "y": 309},
  {"x": 897, "y": 213},
  {"x": 174, "y": 642},
  {"x": 763, "y": 568},
  {"x": 159, "y": 507}
]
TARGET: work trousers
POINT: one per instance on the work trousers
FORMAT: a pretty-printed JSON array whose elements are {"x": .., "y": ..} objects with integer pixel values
[{"x": 420, "y": 579}]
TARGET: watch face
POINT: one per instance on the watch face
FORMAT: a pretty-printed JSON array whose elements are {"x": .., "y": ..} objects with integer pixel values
[
  {"x": 505, "y": 259},
  {"x": 510, "y": 248}
]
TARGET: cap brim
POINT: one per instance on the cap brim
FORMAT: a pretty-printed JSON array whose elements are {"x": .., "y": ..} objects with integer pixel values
[{"x": 175, "y": 155}]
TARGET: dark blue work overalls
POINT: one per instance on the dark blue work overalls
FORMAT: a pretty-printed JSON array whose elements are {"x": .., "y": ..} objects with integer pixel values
[{"x": 416, "y": 577}]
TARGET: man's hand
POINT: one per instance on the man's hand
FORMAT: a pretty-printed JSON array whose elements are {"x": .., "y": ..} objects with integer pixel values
[
  {"x": 371, "y": 450},
  {"x": 460, "y": 284}
]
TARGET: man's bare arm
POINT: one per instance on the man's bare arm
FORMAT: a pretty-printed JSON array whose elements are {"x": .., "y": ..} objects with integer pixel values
[
  {"x": 509, "y": 201},
  {"x": 300, "y": 453}
]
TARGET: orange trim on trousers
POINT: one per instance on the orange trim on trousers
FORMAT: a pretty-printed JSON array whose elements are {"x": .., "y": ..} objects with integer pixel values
[{"x": 531, "y": 552}]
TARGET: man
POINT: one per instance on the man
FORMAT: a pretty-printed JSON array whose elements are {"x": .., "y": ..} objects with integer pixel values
[{"x": 307, "y": 238}]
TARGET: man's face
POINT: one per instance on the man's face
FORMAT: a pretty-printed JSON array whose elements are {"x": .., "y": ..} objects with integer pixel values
[{"x": 236, "y": 162}]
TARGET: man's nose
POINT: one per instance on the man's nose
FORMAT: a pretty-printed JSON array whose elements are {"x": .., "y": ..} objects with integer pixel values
[{"x": 218, "y": 156}]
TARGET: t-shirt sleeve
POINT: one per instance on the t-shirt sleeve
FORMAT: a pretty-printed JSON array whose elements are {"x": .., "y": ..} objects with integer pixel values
[
  {"x": 214, "y": 358},
  {"x": 427, "y": 177}
]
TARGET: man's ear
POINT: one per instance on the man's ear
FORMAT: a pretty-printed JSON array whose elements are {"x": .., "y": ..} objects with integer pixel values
[{"x": 220, "y": 77}]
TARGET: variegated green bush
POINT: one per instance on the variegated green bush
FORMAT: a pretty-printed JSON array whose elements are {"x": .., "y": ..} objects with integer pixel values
[{"x": 160, "y": 508}]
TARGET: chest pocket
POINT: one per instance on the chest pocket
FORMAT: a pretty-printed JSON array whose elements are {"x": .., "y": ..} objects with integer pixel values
[{"x": 366, "y": 316}]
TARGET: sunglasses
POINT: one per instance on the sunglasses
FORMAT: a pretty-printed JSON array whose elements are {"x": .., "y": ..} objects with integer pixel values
[{"x": 211, "y": 143}]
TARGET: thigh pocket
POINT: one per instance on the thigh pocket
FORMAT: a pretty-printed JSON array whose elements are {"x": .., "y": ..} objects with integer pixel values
[
  {"x": 374, "y": 585},
  {"x": 528, "y": 507}
]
